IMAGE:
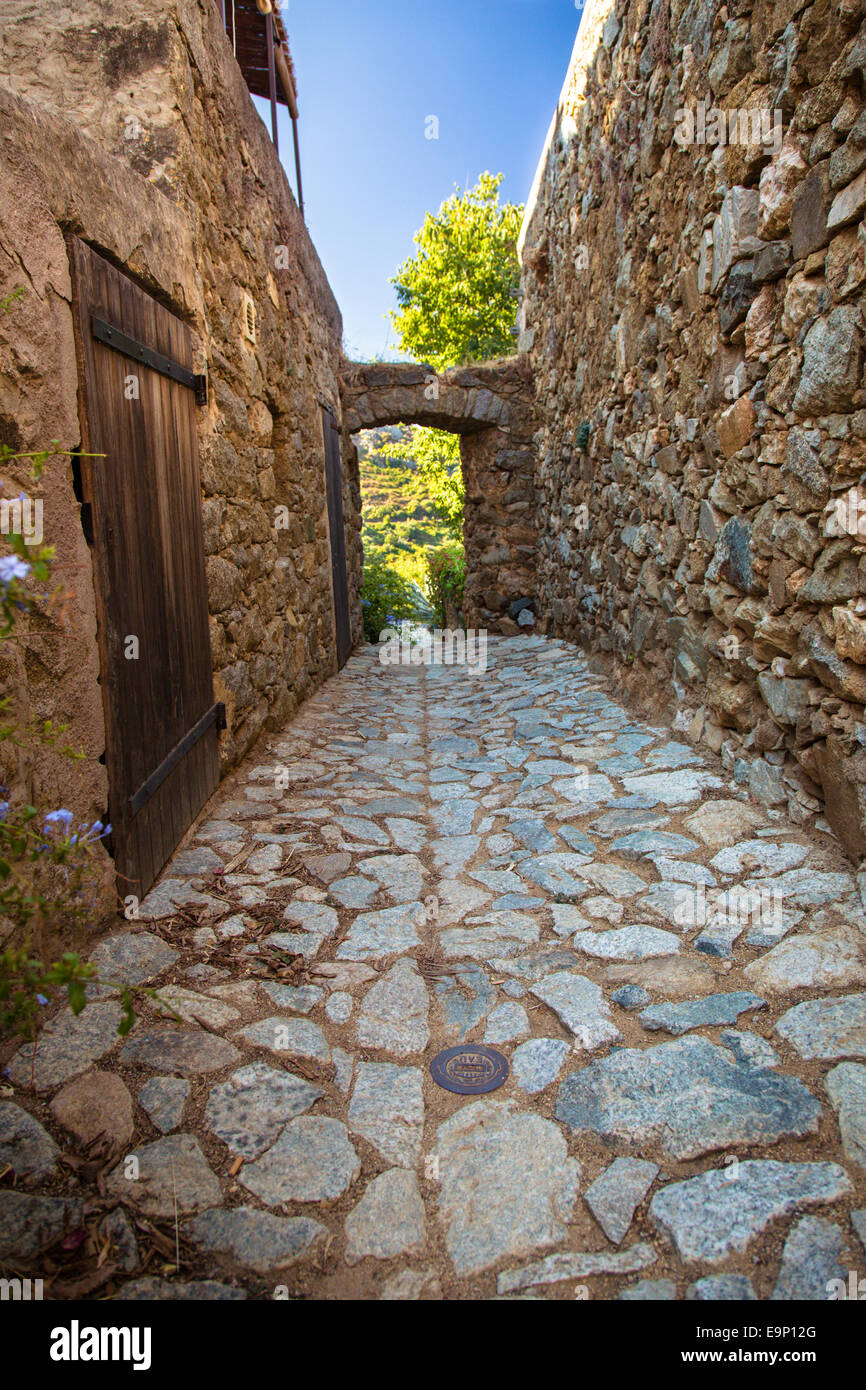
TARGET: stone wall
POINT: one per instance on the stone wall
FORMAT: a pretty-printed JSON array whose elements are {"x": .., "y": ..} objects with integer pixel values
[
  {"x": 491, "y": 407},
  {"x": 134, "y": 129},
  {"x": 694, "y": 316}
]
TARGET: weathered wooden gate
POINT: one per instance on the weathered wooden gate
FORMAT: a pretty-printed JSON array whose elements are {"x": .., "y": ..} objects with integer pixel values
[
  {"x": 334, "y": 481},
  {"x": 137, "y": 401}
]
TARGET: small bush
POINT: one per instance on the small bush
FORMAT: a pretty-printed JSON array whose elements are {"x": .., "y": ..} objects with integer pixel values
[
  {"x": 386, "y": 599},
  {"x": 446, "y": 581}
]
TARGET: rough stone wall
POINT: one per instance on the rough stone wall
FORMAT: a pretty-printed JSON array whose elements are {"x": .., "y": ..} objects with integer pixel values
[
  {"x": 694, "y": 317},
  {"x": 53, "y": 671},
  {"x": 168, "y": 169},
  {"x": 492, "y": 408}
]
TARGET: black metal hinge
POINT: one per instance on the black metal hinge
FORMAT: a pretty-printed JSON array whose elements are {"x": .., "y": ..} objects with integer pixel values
[
  {"x": 130, "y": 347},
  {"x": 215, "y": 715}
]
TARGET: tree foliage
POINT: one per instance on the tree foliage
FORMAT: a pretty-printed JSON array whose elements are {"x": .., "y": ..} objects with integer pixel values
[
  {"x": 446, "y": 581},
  {"x": 456, "y": 302},
  {"x": 436, "y": 454},
  {"x": 387, "y": 599},
  {"x": 457, "y": 295}
]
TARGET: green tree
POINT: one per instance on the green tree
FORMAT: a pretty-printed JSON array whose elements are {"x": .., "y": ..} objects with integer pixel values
[
  {"x": 456, "y": 304},
  {"x": 437, "y": 456},
  {"x": 457, "y": 296}
]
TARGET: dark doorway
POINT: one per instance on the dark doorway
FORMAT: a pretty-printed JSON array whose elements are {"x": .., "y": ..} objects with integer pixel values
[{"x": 336, "y": 524}]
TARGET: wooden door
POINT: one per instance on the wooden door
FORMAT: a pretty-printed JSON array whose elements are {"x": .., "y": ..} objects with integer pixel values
[
  {"x": 337, "y": 526},
  {"x": 138, "y": 403}
]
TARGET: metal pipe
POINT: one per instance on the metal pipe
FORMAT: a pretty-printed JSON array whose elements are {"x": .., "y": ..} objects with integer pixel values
[
  {"x": 291, "y": 97},
  {"x": 298, "y": 165},
  {"x": 272, "y": 78}
]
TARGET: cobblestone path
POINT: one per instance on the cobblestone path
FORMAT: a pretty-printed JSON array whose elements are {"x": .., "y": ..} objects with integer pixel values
[{"x": 424, "y": 858}]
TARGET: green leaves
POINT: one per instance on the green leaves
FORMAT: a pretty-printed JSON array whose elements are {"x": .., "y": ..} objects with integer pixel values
[
  {"x": 77, "y": 996},
  {"x": 456, "y": 297},
  {"x": 446, "y": 580},
  {"x": 128, "y": 1015},
  {"x": 437, "y": 456},
  {"x": 26, "y": 983},
  {"x": 36, "y": 459},
  {"x": 386, "y": 599},
  {"x": 16, "y": 294}
]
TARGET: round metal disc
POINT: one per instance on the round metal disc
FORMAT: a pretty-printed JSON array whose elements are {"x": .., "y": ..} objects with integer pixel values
[{"x": 469, "y": 1070}]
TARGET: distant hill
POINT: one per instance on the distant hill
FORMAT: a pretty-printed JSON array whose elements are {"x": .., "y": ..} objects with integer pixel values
[{"x": 399, "y": 522}]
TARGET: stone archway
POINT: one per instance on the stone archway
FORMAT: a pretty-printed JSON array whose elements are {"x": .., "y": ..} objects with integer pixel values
[{"x": 491, "y": 408}]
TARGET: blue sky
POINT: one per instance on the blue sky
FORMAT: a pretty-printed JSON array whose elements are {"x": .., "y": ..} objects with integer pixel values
[{"x": 369, "y": 74}]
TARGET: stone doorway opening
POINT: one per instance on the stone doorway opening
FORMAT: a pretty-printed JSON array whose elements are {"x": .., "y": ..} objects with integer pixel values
[{"x": 491, "y": 409}]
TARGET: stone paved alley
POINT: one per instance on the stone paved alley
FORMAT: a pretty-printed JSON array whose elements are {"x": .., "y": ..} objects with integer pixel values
[{"x": 425, "y": 857}]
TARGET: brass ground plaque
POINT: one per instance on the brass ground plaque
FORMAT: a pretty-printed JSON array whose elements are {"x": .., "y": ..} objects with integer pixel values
[{"x": 469, "y": 1070}]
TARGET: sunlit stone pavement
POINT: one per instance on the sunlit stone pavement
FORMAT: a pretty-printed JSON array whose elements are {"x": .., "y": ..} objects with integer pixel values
[{"x": 425, "y": 857}]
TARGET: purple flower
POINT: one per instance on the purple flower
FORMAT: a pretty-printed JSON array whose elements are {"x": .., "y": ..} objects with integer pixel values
[
  {"x": 60, "y": 817},
  {"x": 97, "y": 831},
  {"x": 12, "y": 568},
  {"x": 40, "y": 999}
]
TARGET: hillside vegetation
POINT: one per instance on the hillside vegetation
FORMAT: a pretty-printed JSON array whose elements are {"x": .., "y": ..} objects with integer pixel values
[{"x": 400, "y": 525}]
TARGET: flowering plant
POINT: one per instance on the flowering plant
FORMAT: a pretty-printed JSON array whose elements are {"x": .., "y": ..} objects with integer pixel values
[
  {"x": 46, "y": 861},
  {"x": 46, "y": 882}
]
